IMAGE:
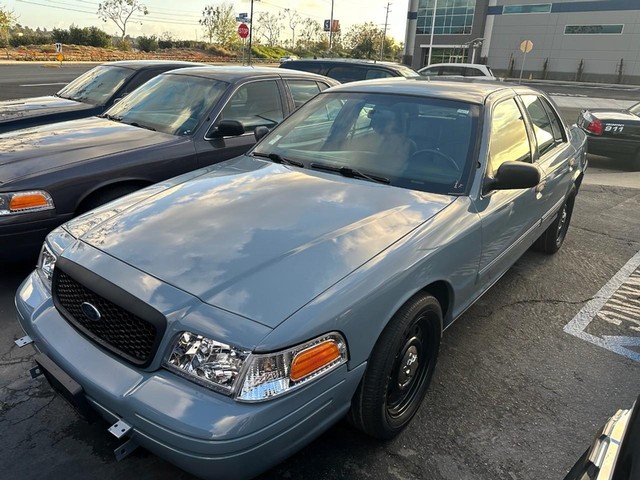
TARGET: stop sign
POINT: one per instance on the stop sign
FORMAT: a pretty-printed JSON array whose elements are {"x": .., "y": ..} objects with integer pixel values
[{"x": 243, "y": 30}]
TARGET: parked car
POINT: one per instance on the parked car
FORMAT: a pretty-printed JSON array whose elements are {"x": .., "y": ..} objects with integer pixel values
[
  {"x": 613, "y": 132},
  {"x": 90, "y": 94},
  {"x": 177, "y": 122},
  {"x": 615, "y": 454},
  {"x": 287, "y": 58},
  {"x": 227, "y": 317},
  {"x": 350, "y": 70},
  {"x": 457, "y": 70}
]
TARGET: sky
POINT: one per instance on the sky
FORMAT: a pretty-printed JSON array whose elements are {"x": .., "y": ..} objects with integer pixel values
[{"x": 181, "y": 18}]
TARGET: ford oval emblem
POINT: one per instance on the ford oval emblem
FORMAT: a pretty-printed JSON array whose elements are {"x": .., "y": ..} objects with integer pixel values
[{"x": 91, "y": 312}]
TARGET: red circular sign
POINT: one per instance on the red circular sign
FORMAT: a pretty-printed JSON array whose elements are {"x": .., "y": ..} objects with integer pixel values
[{"x": 243, "y": 30}]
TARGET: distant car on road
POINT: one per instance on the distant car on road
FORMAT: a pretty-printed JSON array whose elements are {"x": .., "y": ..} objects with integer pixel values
[
  {"x": 231, "y": 315},
  {"x": 615, "y": 453},
  {"x": 288, "y": 58},
  {"x": 177, "y": 122},
  {"x": 90, "y": 94},
  {"x": 613, "y": 133},
  {"x": 350, "y": 70},
  {"x": 457, "y": 70}
]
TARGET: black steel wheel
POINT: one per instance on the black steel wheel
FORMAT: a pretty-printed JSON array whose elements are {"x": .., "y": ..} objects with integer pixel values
[
  {"x": 553, "y": 237},
  {"x": 399, "y": 369}
]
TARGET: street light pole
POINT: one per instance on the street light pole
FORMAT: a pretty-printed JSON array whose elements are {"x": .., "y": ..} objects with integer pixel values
[{"x": 433, "y": 27}]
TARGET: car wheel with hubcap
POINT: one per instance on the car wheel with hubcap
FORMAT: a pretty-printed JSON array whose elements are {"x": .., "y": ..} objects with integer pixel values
[{"x": 399, "y": 369}]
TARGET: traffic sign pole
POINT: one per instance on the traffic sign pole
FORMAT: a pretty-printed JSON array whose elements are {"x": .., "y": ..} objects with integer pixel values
[
  {"x": 250, "y": 31},
  {"x": 525, "y": 47}
]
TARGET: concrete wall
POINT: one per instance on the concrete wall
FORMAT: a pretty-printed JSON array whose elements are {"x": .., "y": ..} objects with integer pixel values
[{"x": 601, "y": 54}]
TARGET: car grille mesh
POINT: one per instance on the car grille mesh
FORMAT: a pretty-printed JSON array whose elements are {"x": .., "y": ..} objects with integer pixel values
[{"x": 117, "y": 329}]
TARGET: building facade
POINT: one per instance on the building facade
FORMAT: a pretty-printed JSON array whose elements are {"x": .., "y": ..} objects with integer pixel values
[{"x": 586, "y": 40}]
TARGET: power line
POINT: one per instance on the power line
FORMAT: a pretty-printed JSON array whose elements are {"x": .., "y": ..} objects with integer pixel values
[{"x": 152, "y": 12}]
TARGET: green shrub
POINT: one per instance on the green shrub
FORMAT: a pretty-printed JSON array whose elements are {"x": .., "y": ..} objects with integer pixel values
[{"x": 147, "y": 44}]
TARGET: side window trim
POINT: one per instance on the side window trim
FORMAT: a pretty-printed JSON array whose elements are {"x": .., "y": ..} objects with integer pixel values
[{"x": 551, "y": 111}]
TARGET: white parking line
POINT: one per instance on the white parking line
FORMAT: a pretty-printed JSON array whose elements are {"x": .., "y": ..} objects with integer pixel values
[
  {"x": 42, "y": 84},
  {"x": 627, "y": 278}
]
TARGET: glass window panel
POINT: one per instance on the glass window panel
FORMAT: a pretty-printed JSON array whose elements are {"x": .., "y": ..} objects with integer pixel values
[
  {"x": 542, "y": 127},
  {"x": 302, "y": 90},
  {"x": 593, "y": 29},
  {"x": 509, "y": 140},
  {"x": 533, "y": 8}
]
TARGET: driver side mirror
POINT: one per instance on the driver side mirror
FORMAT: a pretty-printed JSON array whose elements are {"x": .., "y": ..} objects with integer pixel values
[
  {"x": 226, "y": 128},
  {"x": 513, "y": 176},
  {"x": 260, "y": 132}
]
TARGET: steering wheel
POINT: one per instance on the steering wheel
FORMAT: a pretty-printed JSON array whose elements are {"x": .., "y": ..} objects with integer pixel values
[{"x": 438, "y": 153}]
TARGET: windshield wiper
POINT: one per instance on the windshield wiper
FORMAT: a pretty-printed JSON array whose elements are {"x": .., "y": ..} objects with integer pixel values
[
  {"x": 136, "y": 124},
  {"x": 274, "y": 157},
  {"x": 350, "y": 172}
]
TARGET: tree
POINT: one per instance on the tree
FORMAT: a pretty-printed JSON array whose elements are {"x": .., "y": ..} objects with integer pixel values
[
  {"x": 270, "y": 27},
  {"x": 120, "y": 12},
  {"x": 364, "y": 41},
  {"x": 7, "y": 20},
  {"x": 219, "y": 23},
  {"x": 311, "y": 30},
  {"x": 294, "y": 20}
]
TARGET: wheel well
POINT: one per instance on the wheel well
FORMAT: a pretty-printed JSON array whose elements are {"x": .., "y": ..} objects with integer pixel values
[
  {"x": 441, "y": 290},
  {"x": 133, "y": 184},
  {"x": 579, "y": 182}
]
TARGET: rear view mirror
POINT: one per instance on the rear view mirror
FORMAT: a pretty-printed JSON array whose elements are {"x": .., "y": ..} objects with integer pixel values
[
  {"x": 513, "y": 176},
  {"x": 227, "y": 128},
  {"x": 260, "y": 132}
]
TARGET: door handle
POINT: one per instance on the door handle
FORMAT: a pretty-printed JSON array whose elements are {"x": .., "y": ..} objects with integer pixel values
[{"x": 540, "y": 186}]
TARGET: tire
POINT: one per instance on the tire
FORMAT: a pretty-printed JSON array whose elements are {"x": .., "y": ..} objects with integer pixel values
[
  {"x": 105, "y": 196},
  {"x": 399, "y": 369},
  {"x": 553, "y": 237}
]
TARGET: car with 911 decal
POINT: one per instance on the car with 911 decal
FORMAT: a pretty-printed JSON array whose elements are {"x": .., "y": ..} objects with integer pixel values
[
  {"x": 225, "y": 318},
  {"x": 613, "y": 133}
]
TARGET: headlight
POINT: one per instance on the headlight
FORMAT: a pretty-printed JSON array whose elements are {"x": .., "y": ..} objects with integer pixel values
[
  {"x": 255, "y": 377},
  {"x": 24, "y": 202},
  {"x": 205, "y": 361},
  {"x": 46, "y": 263},
  {"x": 52, "y": 247}
]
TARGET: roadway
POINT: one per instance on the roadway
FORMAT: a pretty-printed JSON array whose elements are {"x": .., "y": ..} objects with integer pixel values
[{"x": 519, "y": 391}]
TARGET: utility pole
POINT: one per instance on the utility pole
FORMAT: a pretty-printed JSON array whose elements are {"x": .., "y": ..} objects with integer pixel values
[
  {"x": 384, "y": 32},
  {"x": 433, "y": 27},
  {"x": 331, "y": 28},
  {"x": 251, "y": 29}
]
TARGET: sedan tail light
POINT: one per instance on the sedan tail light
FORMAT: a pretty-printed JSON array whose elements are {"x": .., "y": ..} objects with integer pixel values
[{"x": 595, "y": 126}]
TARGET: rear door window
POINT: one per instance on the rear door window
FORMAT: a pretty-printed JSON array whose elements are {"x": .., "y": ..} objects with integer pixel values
[
  {"x": 255, "y": 104},
  {"x": 347, "y": 73},
  {"x": 378, "y": 73},
  {"x": 542, "y": 127},
  {"x": 302, "y": 90}
]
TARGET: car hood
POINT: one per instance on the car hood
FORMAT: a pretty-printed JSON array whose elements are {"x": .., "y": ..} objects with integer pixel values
[
  {"x": 614, "y": 115},
  {"x": 259, "y": 239},
  {"x": 11, "y": 110},
  {"x": 39, "y": 149}
]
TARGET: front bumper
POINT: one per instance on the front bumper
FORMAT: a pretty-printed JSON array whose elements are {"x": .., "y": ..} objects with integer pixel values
[
  {"x": 21, "y": 236},
  {"x": 202, "y": 432}
]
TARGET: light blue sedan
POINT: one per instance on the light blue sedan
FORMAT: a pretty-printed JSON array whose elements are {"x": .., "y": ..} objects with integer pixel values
[{"x": 225, "y": 318}]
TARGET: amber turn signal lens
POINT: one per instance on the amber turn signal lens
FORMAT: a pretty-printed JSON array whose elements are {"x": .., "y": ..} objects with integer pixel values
[
  {"x": 24, "y": 202},
  {"x": 313, "y": 359}
]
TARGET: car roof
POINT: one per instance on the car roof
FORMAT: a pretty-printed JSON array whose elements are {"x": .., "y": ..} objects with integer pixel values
[
  {"x": 357, "y": 61},
  {"x": 141, "y": 64},
  {"x": 475, "y": 65},
  {"x": 470, "y": 92},
  {"x": 233, "y": 74}
]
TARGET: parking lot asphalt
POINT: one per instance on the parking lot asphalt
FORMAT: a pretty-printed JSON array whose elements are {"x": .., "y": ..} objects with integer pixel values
[{"x": 514, "y": 396}]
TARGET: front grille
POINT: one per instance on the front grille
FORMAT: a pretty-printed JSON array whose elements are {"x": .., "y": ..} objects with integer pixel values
[{"x": 117, "y": 329}]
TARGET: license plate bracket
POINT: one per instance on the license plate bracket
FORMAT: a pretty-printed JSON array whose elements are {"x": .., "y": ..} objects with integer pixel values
[{"x": 65, "y": 386}]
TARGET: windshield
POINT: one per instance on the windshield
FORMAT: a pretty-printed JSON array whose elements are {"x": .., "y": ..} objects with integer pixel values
[
  {"x": 635, "y": 109},
  {"x": 96, "y": 86},
  {"x": 174, "y": 104},
  {"x": 411, "y": 142}
]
